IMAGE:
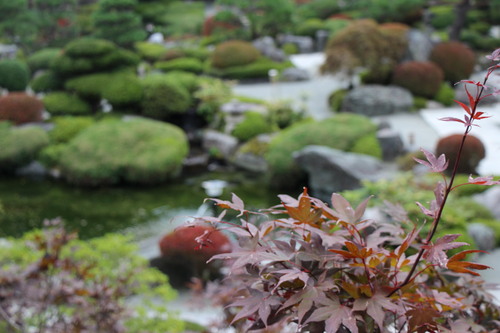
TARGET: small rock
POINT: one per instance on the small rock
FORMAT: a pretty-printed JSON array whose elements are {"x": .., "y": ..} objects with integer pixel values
[
  {"x": 391, "y": 143},
  {"x": 222, "y": 143},
  {"x": 377, "y": 100},
  {"x": 293, "y": 74}
]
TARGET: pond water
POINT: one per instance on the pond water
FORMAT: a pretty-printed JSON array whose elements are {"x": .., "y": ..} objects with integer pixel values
[{"x": 96, "y": 211}]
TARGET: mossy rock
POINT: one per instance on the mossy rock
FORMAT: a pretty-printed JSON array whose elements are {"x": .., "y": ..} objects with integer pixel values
[
  {"x": 19, "y": 146},
  {"x": 340, "y": 132},
  {"x": 254, "y": 124},
  {"x": 138, "y": 151}
]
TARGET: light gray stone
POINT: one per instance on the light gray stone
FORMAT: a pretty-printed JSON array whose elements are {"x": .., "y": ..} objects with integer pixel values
[
  {"x": 377, "y": 100},
  {"x": 224, "y": 144},
  {"x": 491, "y": 200},
  {"x": 293, "y": 74},
  {"x": 391, "y": 143},
  {"x": 35, "y": 170},
  {"x": 419, "y": 46},
  {"x": 331, "y": 170},
  {"x": 251, "y": 162},
  {"x": 267, "y": 47},
  {"x": 483, "y": 236}
]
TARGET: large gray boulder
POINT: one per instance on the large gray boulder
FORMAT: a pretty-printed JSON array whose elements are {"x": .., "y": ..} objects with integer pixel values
[
  {"x": 483, "y": 236},
  {"x": 493, "y": 81},
  {"x": 332, "y": 170},
  {"x": 376, "y": 100},
  {"x": 491, "y": 200}
]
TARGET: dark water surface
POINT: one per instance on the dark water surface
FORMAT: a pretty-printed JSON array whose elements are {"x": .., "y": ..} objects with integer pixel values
[{"x": 96, "y": 211}]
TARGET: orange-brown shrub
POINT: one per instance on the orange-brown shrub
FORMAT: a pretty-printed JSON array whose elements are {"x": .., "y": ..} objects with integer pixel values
[
  {"x": 456, "y": 60},
  {"x": 20, "y": 108},
  {"x": 420, "y": 78},
  {"x": 473, "y": 152},
  {"x": 234, "y": 53},
  {"x": 181, "y": 242}
]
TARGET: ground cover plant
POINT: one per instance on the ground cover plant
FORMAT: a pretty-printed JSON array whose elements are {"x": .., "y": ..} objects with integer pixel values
[{"x": 326, "y": 268}]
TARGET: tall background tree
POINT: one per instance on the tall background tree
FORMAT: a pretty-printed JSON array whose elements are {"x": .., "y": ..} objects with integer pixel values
[{"x": 117, "y": 21}]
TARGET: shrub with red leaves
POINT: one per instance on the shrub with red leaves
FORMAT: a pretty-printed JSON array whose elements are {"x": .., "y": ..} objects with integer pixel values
[
  {"x": 183, "y": 242},
  {"x": 20, "y": 108},
  {"x": 421, "y": 78},
  {"x": 456, "y": 60},
  {"x": 473, "y": 152}
]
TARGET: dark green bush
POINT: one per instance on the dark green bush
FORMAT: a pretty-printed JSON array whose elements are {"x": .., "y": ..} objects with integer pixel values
[
  {"x": 90, "y": 86},
  {"x": 42, "y": 59},
  {"x": 63, "y": 103},
  {"x": 123, "y": 92},
  {"x": 20, "y": 108},
  {"x": 456, "y": 60},
  {"x": 19, "y": 145},
  {"x": 14, "y": 75},
  {"x": 442, "y": 16},
  {"x": 192, "y": 65},
  {"x": 46, "y": 82},
  {"x": 88, "y": 47},
  {"x": 480, "y": 27},
  {"x": 422, "y": 79},
  {"x": 134, "y": 151},
  {"x": 234, "y": 53},
  {"x": 66, "y": 128},
  {"x": 256, "y": 70},
  {"x": 163, "y": 98},
  {"x": 339, "y": 132},
  {"x": 254, "y": 124},
  {"x": 445, "y": 94}
]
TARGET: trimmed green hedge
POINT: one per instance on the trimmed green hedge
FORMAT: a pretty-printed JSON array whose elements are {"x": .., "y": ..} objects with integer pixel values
[
  {"x": 19, "y": 145},
  {"x": 192, "y": 65},
  {"x": 66, "y": 128},
  {"x": 42, "y": 59},
  {"x": 150, "y": 51},
  {"x": 63, "y": 103},
  {"x": 255, "y": 70},
  {"x": 135, "y": 151},
  {"x": 124, "y": 93},
  {"x": 340, "y": 132},
  {"x": 46, "y": 82}
]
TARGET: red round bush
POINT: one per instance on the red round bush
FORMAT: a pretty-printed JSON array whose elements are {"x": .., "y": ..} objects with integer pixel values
[
  {"x": 20, "y": 108},
  {"x": 456, "y": 60},
  {"x": 472, "y": 153},
  {"x": 421, "y": 78},
  {"x": 181, "y": 242}
]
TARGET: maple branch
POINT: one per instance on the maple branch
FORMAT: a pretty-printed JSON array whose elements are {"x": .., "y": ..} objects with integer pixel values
[{"x": 449, "y": 188}]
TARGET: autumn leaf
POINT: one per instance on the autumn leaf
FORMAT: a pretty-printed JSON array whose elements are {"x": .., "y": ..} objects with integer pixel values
[
  {"x": 483, "y": 181},
  {"x": 236, "y": 203},
  {"x": 422, "y": 319},
  {"x": 376, "y": 306},
  {"x": 435, "y": 164},
  {"x": 305, "y": 213},
  {"x": 435, "y": 253},
  {"x": 334, "y": 314},
  {"x": 458, "y": 266}
]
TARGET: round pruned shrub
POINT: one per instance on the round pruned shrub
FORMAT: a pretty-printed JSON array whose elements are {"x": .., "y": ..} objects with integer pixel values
[
  {"x": 192, "y": 65},
  {"x": 150, "y": 51},
  {"x": 14, "y": 75},
  {"x": 473, "y": 152},
  {"x": 63, "y": 103},
  {"x": 20, "y": 108},
  {"x": 253, "y": 124},
  {"x": 113, "y": 151},
  {"x": 89, "y": 47},
  {"x": 42, "y": 59},
  {"x": 188, "y": 80},
  {"x": 422, "y": 79},
  {"x": 164, "y": 98},
  {"x": 456, "y": 60},
  {"x": 234, "y": 53},
  {"x": 19, "y": 145},
  {"x": 340, "y": 132},
  {"x": 89, "y": 87},
  {"x": 256, "y": 70},
  {"x": 46, "y": 82}
]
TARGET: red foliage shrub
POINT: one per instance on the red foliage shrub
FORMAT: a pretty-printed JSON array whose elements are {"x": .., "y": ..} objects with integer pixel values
[
  {"x": 20, "y": 108},
  {"x": 211, "y": 24},
  {"x": 473, "y": 152},
  {"x": 456, "y": 60},
  {"x": 234, "y": 53},
  {"x": 182, "y": 242},
  {"x": 421, "y": 78}
]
